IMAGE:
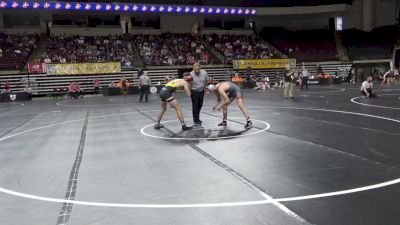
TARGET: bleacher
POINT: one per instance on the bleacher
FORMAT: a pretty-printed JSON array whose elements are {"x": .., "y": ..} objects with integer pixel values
[
  {"x": 305, "y": 45},
  {"x": 158, "y": 76},
  {"x": 220, "y": 74},
  {"x": 333, "y": 68},
  {"x": 170, "y": 49},
  {"x": 44, "y": 85},
  {"x": 48, "y": 84},
  {"x": 15, "y": 50},
  {"x": 377, "y": 44}
]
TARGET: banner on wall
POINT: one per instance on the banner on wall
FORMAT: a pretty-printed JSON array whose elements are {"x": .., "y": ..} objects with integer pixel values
[
  {"x": 36, "y": 68},
  {"x": 126, "y": 65},
  {"x": 262, "y": 63},
  {"x": 83, "y": 68}
]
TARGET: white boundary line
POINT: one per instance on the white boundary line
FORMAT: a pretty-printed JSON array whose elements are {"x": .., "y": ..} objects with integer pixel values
[
  {"x": 207, "y": 205},
  {"x": 353, "y": 100},
  {"x": 94, "y": 105},
  {"x": 310, "y": 91},
  {"x": 321, "y": 92},
  {"x": 210, "y": 138},
  {"x": 70, "y": 121},
  {"x": 110, "y": 100}
]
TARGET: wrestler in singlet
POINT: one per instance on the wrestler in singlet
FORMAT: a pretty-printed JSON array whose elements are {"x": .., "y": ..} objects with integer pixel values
[
  {"x": 233, "y": 91},
  {"x": 167, "y": 90}
]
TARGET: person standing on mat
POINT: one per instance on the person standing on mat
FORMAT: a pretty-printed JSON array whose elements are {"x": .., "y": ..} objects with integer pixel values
[
  {"x": 167, "y": 97},
  {"x": 386, "y": 78},
  {"x": 144, "y": 86},
  {"x": 198, "y": 85},
  {"x": 304, "y": 77},
  {"x": 366, "y": 88},
  {"x": 226, "y": 92},
  {"x": 289, "y": 82}
]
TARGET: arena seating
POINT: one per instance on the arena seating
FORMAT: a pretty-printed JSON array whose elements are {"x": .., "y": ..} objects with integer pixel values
[
  {"x": 15, "y": 50},
  {"x": 328, "y": 68},
  {"x": 48, "y": 84},
  {"x": 173, "y": 49},
  {"x": 43, "y": 85},
  {"x": 240, "y": 47},
  {"x": 76, "y": 49},
  {"x": 377, "y": 44},
  {"x": 305, "y": 46},
  {"x": 158, "y": 76}
]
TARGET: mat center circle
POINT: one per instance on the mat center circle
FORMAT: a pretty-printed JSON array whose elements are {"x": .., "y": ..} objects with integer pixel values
[{"x": 208, "y": 131}]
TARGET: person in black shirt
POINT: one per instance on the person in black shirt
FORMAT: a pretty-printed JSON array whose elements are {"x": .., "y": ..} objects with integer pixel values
[{"x": 289, "y": 81}]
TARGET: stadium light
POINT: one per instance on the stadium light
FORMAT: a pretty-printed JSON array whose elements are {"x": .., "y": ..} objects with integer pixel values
[{"x": 116, "y": 7}]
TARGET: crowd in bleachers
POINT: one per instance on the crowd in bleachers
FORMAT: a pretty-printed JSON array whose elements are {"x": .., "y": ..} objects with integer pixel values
[
  {"x": 173, "y": 49},
  {"x": 185, "y": 49},
  {"x": 240, "y": 47},
  {"x": 15, "y": 50},
  {"x": 77, "y": 49}
]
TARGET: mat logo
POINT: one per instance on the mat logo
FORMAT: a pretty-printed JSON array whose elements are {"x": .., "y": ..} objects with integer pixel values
[{"x": 13, "y": 97}]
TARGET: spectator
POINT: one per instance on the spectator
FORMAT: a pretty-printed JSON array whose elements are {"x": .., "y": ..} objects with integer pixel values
[
  {"x": 211, "y": 80},
  {"x": 123, "y": 86},
  {"x": 386, "y": 78},
  {"x": 129, "y": 84},
  {"x": 47, "y": 60},
  {"x": 262, "y": 83},
  {"x": 289, "y": 82},
  {"x": 72, "y": 92},
  {"x": 79, "y": 90},
  {"x": 172, "y": 49},
  {"x": 96, "y": 84},
  {"x": 238, "y": 79},
  {"x": 15, "y": 50},
  {"x": 144, "y": 86},
  {"x": 111, "y": 84},
  {"x": 240, "y": 47},
  {"x": 7, "y": 87},
  {"x": 366, "y": 88},
  {"x": 304, "y": 77},
  {"x": 75, "y": 49}
]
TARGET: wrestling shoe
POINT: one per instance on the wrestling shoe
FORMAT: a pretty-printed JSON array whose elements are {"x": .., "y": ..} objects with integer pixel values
[
  {"x": 248, "y": 125},
  {"x": 158, "y": 126},
  {"x": 223, "y": 124},
  {"x": 185, "y": 128}
]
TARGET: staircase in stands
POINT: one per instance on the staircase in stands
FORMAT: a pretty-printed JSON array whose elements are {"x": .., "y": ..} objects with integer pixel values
[{"x": 341, "y": 49}]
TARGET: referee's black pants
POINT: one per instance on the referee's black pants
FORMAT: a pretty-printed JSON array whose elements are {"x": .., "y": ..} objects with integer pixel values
[
  {"x": 144, "y": 90},
  {"x": 197, "y": 104},
  {"x": 304, "y": 81}
]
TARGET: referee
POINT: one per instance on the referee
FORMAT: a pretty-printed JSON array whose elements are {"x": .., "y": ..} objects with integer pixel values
[
  {"x": 144, "y": 85},
  {"x": 198, "y": 86}
]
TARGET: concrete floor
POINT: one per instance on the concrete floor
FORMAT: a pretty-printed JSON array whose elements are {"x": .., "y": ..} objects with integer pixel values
[{"x": 317, "y": 159}]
